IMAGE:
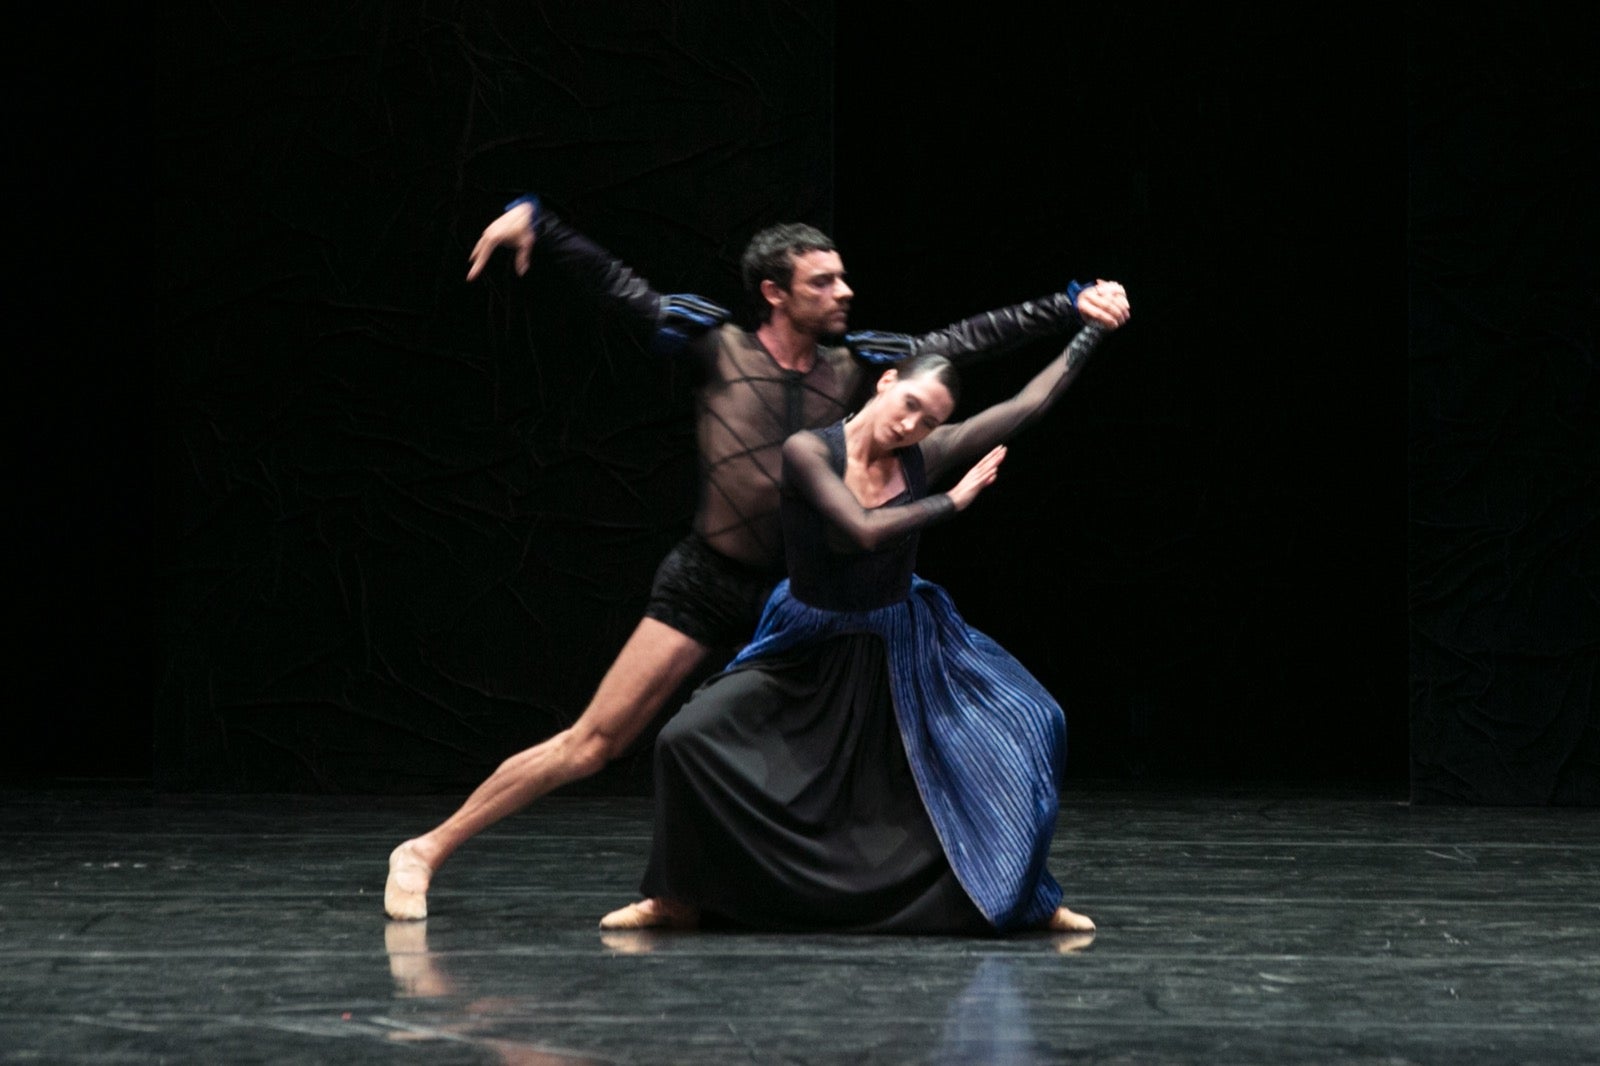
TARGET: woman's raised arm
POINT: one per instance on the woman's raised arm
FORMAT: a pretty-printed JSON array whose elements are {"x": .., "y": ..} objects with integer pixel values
[{"x": 959, "y": 442}]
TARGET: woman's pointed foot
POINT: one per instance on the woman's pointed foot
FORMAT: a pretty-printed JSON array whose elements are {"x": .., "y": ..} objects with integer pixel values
[
  {"x": 652, "y": 914},
  {"x": 1068, "y": 921}
]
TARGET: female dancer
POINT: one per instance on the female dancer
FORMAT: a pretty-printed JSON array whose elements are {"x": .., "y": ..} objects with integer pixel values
[{"x": 869, "y": 762}]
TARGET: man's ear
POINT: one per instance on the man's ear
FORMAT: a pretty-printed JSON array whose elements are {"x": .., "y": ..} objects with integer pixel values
[{"x": 772, "y": 292}]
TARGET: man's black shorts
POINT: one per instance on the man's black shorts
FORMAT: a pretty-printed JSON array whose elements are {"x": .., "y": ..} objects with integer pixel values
[{"x": 707, "y": 596}]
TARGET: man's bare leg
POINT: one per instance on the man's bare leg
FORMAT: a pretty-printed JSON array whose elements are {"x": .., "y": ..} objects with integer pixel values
[{"x": 650, "y": 667}]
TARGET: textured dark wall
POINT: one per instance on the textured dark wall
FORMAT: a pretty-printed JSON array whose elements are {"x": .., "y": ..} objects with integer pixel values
[
  {"x": 78, "y": 586},
  {"x": 1504, "y": 448},
  {"x": 405, "y": 521},
  {"x": 401, "y": 523},
  {"x": 1201, "y": 553}
]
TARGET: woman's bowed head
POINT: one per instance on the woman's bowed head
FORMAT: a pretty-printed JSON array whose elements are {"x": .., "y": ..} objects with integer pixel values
[{"x": 911, "y": 401}]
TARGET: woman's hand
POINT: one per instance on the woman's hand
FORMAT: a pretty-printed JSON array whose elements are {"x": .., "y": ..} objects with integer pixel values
[
  {"x": 980, "y": 477},
  {"x": 1105, "y": 303},
  {"x": 514, "y": 229}
]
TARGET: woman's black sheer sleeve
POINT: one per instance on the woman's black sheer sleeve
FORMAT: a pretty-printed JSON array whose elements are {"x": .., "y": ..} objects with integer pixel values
[
  {"x": 808, "y": 474},
  {"x": 957, "y": 443}
]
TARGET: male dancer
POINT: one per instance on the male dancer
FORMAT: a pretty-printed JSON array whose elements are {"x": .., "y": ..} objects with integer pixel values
[{"x": 796, "y": 371}]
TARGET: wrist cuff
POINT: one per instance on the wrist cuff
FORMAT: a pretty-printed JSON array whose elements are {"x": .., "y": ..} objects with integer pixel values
[
  {"x": 533, "y": 217},
  {"x": 1074, "y": 289}
]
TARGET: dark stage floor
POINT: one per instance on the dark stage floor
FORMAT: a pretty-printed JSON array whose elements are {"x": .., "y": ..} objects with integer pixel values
[{"x": 1236, "y": 926}]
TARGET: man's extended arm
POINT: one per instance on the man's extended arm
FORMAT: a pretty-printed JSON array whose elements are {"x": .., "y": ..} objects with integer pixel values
[
  {"x": 992, "y": 332},
  {"x": 957, "y": 442},
  {"x": 671, "y": 322}
]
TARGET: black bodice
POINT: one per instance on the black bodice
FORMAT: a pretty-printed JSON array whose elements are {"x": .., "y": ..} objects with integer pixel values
[{"x": 825, "y": 569}]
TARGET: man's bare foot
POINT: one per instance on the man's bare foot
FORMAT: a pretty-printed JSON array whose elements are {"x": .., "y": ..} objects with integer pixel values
[
  {"x": 1066, "y": 921},
  {"x": 405, "y": 896},
  {"x": 652, "y": 914}
]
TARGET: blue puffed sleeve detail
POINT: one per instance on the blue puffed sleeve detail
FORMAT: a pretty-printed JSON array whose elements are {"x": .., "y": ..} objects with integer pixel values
[
  {"x": 682, "y": 318},
  {"x": 880, "y": 349}
]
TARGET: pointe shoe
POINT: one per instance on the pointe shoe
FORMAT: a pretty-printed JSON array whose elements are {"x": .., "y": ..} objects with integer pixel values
[
  {"x": 1067, "y": 921},
  {"x": 651, "y": 914},
  {"x": 405, "y": 895}
]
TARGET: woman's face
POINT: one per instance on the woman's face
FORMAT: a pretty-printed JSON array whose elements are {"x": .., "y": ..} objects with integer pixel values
[{"x": 908, "y": 409}]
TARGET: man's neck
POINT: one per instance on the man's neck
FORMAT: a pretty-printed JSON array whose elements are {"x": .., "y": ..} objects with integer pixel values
[{"x": 790, "y": 348}]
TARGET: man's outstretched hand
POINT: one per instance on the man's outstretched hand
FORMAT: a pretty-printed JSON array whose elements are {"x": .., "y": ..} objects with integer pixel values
[{"x": 514, "y": 230}]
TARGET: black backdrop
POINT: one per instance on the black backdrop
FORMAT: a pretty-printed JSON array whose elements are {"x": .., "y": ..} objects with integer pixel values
[
  {"x": 1504, "y": 443},
  {"x": 400, "y": 524}
]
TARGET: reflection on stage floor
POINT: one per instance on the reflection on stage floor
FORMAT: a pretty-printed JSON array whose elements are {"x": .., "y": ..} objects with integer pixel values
[{"x": 1247, "y": 925}]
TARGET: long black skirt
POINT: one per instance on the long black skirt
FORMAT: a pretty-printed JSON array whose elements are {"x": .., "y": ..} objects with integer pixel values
[{"x": 784, "y": 800}]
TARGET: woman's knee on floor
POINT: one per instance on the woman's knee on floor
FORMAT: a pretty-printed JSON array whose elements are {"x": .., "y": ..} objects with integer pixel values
[{"x": 681, "y": 737}]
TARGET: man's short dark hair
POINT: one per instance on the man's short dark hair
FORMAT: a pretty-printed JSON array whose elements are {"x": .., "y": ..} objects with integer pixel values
[{"x": 770, "y": 257}]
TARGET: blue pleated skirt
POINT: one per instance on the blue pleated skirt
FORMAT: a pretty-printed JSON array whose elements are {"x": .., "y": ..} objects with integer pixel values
[{"x": 783, "y": 796}]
